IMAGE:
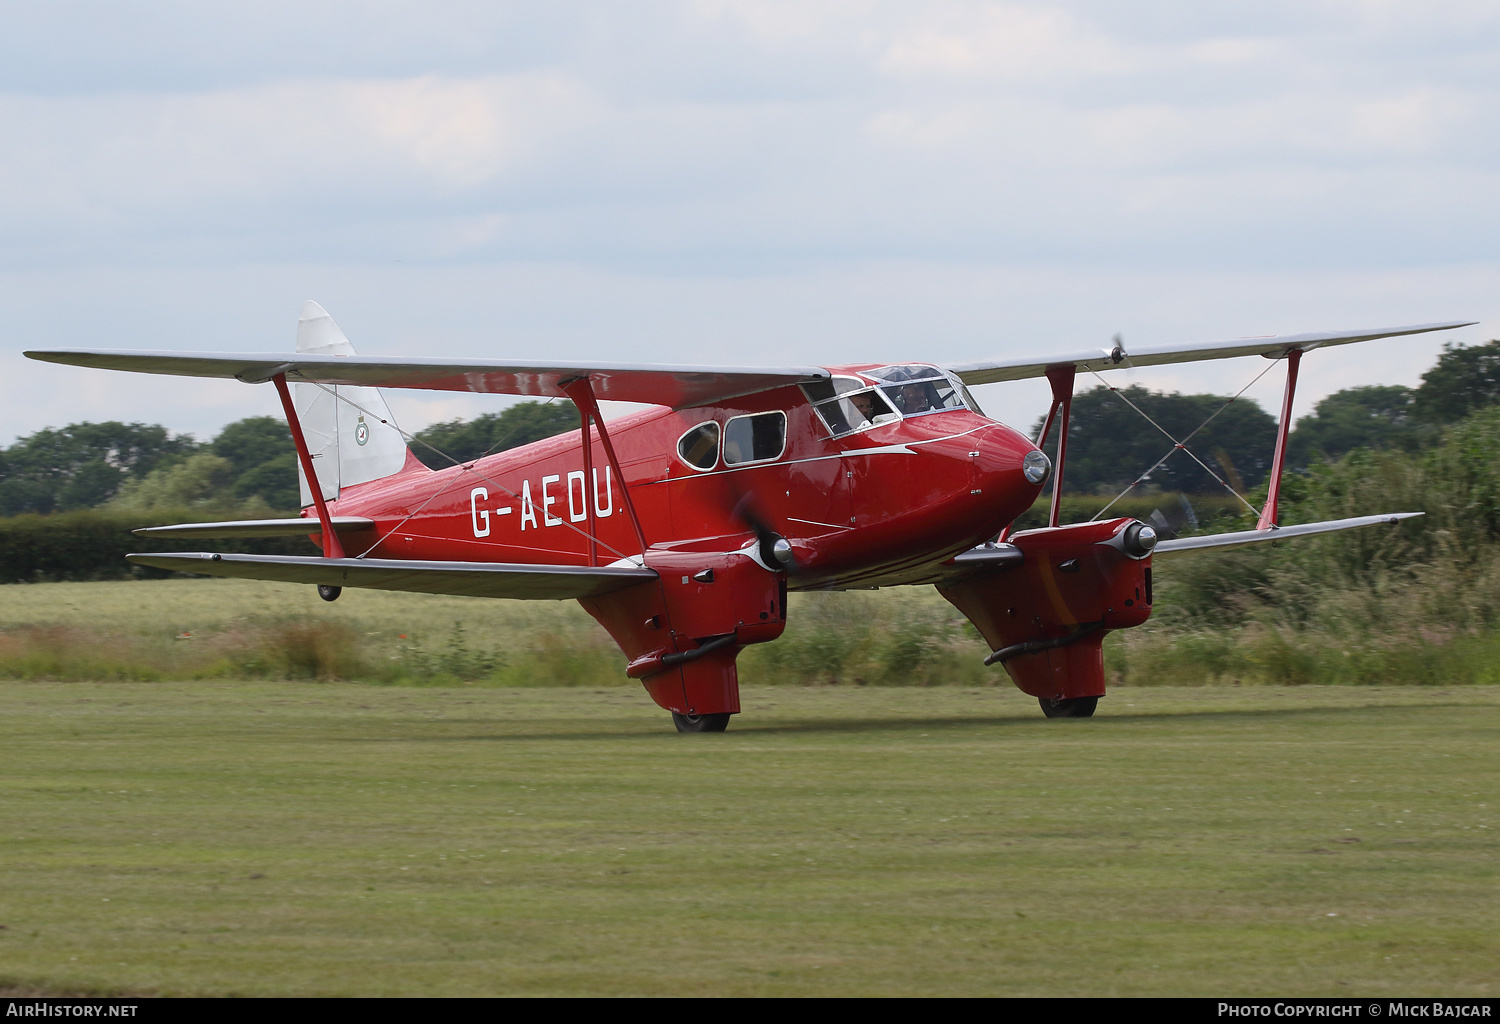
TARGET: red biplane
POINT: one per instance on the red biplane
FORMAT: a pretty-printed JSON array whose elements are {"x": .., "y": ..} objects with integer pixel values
[{"x": 682, "y": 528}]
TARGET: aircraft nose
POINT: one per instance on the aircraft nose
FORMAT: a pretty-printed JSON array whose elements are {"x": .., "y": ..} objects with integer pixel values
[
  {"x": 1036, "y": 467},
  {"x": 1008, "y": 462}
]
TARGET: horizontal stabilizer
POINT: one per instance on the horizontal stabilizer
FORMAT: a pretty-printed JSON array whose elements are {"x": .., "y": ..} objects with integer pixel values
[
  {"x": 652, "y": 384},
  {"x": 1272, "y": 346},
  {"x": 1234, "y": 540},
  {"x": 257, "y": 528},
  {"x": 464, "y": 579}
]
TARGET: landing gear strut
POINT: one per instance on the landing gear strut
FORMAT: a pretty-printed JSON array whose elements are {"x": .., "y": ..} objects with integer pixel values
[
  {"x": 701, "y": 723},
  {"x": 1078, "y": 707}
]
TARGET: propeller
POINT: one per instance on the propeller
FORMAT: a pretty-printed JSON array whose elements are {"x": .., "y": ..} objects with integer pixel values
[{"x": 775, "y": 550}]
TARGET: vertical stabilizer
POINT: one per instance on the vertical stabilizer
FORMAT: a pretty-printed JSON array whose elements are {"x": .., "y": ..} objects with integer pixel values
[{"x": 343, "y": 425}]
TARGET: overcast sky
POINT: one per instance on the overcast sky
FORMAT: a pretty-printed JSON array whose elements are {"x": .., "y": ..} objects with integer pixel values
[{"x": 757, "y": 182}]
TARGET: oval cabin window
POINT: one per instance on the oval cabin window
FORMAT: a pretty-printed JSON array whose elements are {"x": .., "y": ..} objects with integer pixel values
[{"x": 699, "y": 447}]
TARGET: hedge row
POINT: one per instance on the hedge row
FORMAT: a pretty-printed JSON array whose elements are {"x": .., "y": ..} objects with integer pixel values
[{"x": 92, "y": 545}]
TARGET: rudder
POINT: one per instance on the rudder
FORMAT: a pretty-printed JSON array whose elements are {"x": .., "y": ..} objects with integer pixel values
[{"x": 350, "y": 432}]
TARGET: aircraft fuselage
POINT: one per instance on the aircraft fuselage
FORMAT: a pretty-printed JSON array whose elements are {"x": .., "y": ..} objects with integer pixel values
[{"x": 857, "y": 508}]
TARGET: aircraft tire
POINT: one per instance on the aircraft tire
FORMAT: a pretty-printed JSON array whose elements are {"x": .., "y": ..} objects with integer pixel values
[
  {"x": 329, "y": 593},
  {"x": 701, "y": 723},
  {"x": 1078, "y": 707}
]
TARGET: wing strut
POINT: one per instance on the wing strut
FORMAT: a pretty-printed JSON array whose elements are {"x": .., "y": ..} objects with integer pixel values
[
  {"x": 331, "y": 546},
  {"x": 1061, "y": 379},
  {"x": 1267, "y": 519},
  {"x": 581, "y": 391},
  {"x": 590, "y": 502}
]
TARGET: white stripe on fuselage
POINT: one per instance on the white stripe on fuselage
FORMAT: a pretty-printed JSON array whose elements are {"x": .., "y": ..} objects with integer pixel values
[{"x": 904, "y": 448}]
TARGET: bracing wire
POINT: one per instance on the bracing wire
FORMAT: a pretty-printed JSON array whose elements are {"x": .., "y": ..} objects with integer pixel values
[{"x": 1180, "y": 445}]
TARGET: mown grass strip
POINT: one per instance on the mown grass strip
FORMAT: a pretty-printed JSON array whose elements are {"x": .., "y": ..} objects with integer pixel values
[{"x": 260, "y": 838}]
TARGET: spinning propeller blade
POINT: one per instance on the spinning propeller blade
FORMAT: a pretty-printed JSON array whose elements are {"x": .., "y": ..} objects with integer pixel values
[{"x": 775, "y": 550}]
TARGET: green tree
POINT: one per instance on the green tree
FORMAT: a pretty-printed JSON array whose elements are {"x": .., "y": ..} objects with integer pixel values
[
  {"x": 1110, "y": 444},
  {"x": 83, "y": 464},
  {"x": 1377, "y": 416},
  {"x": 263, "y": 461},
  {"x": 467, "y": 440},
  {"x": 204, "y": 482},
  {"x": 1463, "y": 381}
]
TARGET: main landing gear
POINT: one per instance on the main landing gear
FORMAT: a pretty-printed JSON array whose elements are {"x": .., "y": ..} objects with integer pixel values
[
  {"x": 701, "y": 723},
  {"x": 1078, "y": 707}
]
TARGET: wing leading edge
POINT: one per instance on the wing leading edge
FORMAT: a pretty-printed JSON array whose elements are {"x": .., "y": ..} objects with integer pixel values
[
  {"x": 462, "y": 579},
  {"x": 1272, "y": 346},
  {"x": 678, "y": 386}
]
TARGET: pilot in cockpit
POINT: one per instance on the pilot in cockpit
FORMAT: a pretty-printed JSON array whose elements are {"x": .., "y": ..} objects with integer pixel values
[
  {"x": 864, "y": 404},
  {"x": 913, "y": 398}
]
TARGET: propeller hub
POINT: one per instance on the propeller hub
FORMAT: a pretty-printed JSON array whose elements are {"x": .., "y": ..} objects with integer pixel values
[{"x": 781, "y": 551}]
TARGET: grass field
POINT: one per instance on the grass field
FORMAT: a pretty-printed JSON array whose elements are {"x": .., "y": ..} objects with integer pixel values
[
  {"x": 233, "y": 629},
  {"x": 331, "y": 838}
]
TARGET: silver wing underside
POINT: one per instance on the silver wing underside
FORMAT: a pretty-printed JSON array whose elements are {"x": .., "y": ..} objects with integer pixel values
[
  {"x": 1185, "y": 545},
  {"x": 1271, "y": 346},
  {"x": 678, "y": 386},
  {"x": 462, "y": 579},
  {"x": 257, "y": 528},
  {"x": 992, "y": 558}
]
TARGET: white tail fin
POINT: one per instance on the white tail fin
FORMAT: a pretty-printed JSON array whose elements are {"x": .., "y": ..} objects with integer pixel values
[{"x": 350, "y": 432}]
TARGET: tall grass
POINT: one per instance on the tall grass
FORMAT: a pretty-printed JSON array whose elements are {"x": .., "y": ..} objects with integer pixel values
[
  {"x": 1418, "y": 603},
  {"x": 207, "y": 629}
]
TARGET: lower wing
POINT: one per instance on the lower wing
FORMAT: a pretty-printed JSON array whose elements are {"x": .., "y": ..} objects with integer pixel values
[
  {"x": 463, "y": 579},
  {"x": 1233, "y": 540},
  {"x": 992, "y": 558}
]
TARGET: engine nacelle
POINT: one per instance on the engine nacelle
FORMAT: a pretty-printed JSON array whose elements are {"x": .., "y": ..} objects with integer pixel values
[
  {"x": 683, "y": 632},
  {"x": 1046, "y": 619}
]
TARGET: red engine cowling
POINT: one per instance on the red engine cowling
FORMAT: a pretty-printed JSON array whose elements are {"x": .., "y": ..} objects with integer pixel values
[
  {"x": 683, "y": 632},
  {"x": 1046, "y": 619}
]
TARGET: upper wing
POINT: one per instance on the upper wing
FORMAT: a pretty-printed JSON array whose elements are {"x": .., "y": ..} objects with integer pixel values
[
  {"x": 1273, "y": 345},
  {"x": 464, "y": 579},
  {"x": 654, "y": 384}
]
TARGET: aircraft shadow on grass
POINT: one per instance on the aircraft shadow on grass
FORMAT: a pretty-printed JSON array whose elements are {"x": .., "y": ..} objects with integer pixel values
[{"x": 966, "y": 724}]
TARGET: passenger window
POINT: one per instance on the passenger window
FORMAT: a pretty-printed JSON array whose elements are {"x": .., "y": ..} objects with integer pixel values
[
  {"x": 758, "y": 438},
  {"x": 699, "y": 447}
]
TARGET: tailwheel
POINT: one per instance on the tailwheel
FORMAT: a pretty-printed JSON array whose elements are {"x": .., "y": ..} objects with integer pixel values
[
  {"x": 1078, "y": 707},
  {"x": 701, "y": 723}
]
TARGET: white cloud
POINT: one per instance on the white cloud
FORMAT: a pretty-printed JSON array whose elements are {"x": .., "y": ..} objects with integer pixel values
[
  {"x": 1002, "y": 41},
  {"x": 715, "y": 179}
]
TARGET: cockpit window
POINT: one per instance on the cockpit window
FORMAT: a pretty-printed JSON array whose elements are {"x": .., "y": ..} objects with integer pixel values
[
  {"x": 847, "y": 404},
  {"x": 855, "y": 411},
  {"x": 915, "y": 389},
  {"x": 757, "y": 438},
  {"x": 699, "y": 447},
  {"x": 822, "y": 390}
]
